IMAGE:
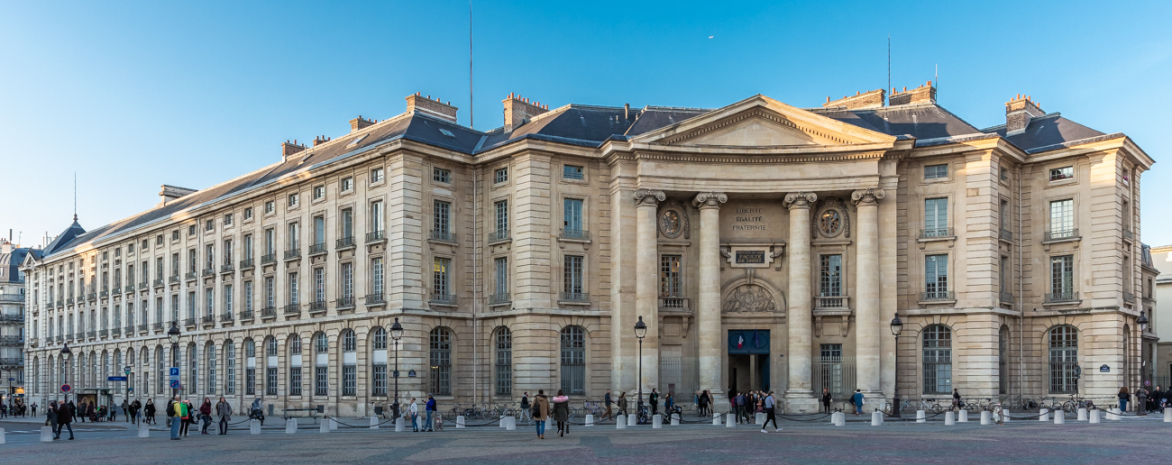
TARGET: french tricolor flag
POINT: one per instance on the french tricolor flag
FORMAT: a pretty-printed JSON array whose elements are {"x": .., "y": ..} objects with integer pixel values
[{"x": 740, "y": 341}]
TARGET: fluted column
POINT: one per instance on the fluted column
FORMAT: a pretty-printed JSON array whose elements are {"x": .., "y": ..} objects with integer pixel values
[
  {"x": 709, "y": 305},
  {"x": 798, "y": 321},
  {"x": 868, "y": 328},
  {"x": 646, "y": 283}
]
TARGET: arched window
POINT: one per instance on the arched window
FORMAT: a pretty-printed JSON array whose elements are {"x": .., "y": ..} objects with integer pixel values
[
  {"x": 321, "y": 365},
  {"x": 160, "y": 374},
  {"x": 94, "y": 367},
  {"x": 378, "y": 364},
  {"x": 1003, "y": 360},
  {"x": 504, "y": 361},
  {"x": 249, "y": 367},
  {"x": 937, "y": 360},
  {"x": 295, "y": 365},
  {"x": 211, "y": 355},
  {"x": 117, "y": 368},
  {"x": 271, "y": 366},
  {"x": 1063, "y": 358},
  {"x": 349, "y": 363},
  {"x": 440, "y": 374},
  {"x": 193, "y": 364},
  {"x": 144, "y": 359},
  {"x": 229, "y": 368},
  {"x": 574, "y": 360}
]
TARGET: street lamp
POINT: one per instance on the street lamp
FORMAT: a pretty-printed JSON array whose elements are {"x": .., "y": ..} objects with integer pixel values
[
  {"x": 173, "y": 334},
  {"x": 896, "y": 328},
  {"x": 65, "y": 352},
  {"x": 396, "y": 334},
  {"x": 640, "y": 332},
  {"x": 1143, "y": 323}
]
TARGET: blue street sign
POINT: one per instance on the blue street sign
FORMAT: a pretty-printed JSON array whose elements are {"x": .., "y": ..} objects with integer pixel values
[
  {"x": 65, "y": 388},
  {"x": 115, "y": 378},
  {"x": 174, "y": 384},
  {"x": 174, "y": 371},
  {"x": 411, "y": 374}
]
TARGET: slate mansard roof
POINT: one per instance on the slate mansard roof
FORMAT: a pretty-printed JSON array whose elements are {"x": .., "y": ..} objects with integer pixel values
[{"x": 587, "y": 126}]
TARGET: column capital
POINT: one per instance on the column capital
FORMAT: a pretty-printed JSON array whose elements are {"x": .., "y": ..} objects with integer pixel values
[
  {"x": 646, "y": 197},
  {"x": 799, "y": 200},
  {"x": 867, "y": 196},
  {"x": 709, "y": 200}
]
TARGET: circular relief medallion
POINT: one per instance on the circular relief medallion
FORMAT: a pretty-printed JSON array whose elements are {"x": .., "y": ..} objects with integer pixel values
[
  {"x": 670, "y": 223},
  {"x": 830, "y": 223}
]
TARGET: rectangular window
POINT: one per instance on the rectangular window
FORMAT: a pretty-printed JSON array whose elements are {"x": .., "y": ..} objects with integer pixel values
[
  {"x": 349, "y": 380},
  {"x": 502, "y": 218},
  {"x": 319, "y": 230},
  {"x": 248, "y": 247},
  {"x": 209, "y": 296},
  {"x": 830, "y": 281},
  {"x": 379, "y": 373},
  {"x": 248, "y": 297},
  {"x": 175, "y": 265},
  {"x": 936, "y": 171},
  {"x": 319, "y": 284},
  {"x": 270, "y": 293},
  {"x": 936, "y": 277},
  {"x": 209, "y": 257},
  {"x": 209, "y": 225},
  {"x": 295, "y": 381},
  {"x": 191, "y": 305},
  {"x": 572, "y": 276},
  {"x": 441, "y": 226},
  {"x": 158, "y": 311},
  {"x": 228, "y": 219},
  {"x": 1062, "y": 278},
  {"x": 936, "y": 217},
  {"x": 441, "y": 175},
  {"x": 248, "y": 213},
  {"x": 1061, "y": 218},
  {"x": 376, "y": 216},
  {"x": 269, "y": 206},
  {"x": 293, "y": 200},
  {"x": 376, "y": 276},
  {"x": 376, "y": 175},
  {"x": 250, "y": 381},
  {"x": 321, "y": 381},
  {"x": 1059, "y": 174},
  {"x": 271, "y": 381},
  {"x": 937, "y": 356},
  {"x": 572, "y": 217},
  {"x": 670, "y": 284},
  {"x": 175, "y": 308},
  {"x": 572, "y": 172},
  {"x": 270, "y": 241},
  {"x": 293, "y": 289},
  {"x": 501, "y": 274},
  {"x": 441, "y": 278},
  {"x": 504, "y": 363},
  {"x": 319, "y": 192},
  {"x": 500, "y": 175},
  {"x": 348, "y": 282},
  {"x": 294, "y": 238},
  {"x": 1004, "y": 220},
  {"x": 347, "y": 223},
  {"x": 230, "y": 370},
  {"x": 1003, "y": 275},
  {"x": 228, "y": 299},
  {"x": 191, "y": 261},
  {"x": 347, "y": 184}
]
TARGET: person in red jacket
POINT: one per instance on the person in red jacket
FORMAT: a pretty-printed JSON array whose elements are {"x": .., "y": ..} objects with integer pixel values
[{"x": 205, "y": 414}]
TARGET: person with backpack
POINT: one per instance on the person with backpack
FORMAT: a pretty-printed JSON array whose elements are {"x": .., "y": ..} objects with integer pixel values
[
  {"x": 540, "y": 412},
  {"x": 623, "y": 403},
  {"x": 768, "y": 404},
  {"x": 1124, "y": 396},
  {"x": 431, "y": 407},
  {"x": 561, "y": 413},
  {"x": 175, "y": 416},
  {"x": 525, "y": 407},
  {"x": 956, "y": 402}
]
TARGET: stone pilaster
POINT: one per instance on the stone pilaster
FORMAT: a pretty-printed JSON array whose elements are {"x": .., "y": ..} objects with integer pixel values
[
  {"x": 800, "y": 395},
  {"x": 708, "y": 310},
  {"x": 868, "y": 329},
  {"x": 646, "y": 282}
]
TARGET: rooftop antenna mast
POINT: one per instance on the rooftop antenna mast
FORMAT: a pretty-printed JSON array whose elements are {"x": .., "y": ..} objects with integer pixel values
[
  {"x": 888, "y": 67},
  {"x": 937, "y": 81},
  {"x": 471, "y": 101},
  {"x": 75, "y": 196}
]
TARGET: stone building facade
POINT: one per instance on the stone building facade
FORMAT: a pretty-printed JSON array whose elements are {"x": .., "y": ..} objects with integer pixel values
[
  {"x": 765, "y": 247},
  {"x": 12, "y": 311}
]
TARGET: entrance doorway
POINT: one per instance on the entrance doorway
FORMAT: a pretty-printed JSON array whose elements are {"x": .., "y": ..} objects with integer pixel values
[{"x": 748, "y": 360}]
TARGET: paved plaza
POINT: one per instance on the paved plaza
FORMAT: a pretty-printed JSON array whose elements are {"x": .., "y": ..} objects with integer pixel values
[{"x": 1130, "y": 441}]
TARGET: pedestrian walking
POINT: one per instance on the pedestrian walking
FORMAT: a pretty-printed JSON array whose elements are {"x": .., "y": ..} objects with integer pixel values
[
  {"x": 185, "y": 414},
  {"x": 65, "y": 420},
  {"x": 51, "y": 416},
  {"x": 149, "y": 410},
  {"x": 858, "y": 401},
  {"x": 224, "y": 414},
  {"x": 561, "y": 413},
  {"x": 34, "y": 409},
  {"x": 702, "y": 400},
  {"x": 826, "y": 399},
  {"x": 541, "y": 412},
  {"x": 654, "y": 399},
  {"x": 413, "y": 409},
  {"x": 126, "y": 409},
  {"x": 606, "y": 400},
  {"x": 956, "y": 402},
  {"x": 623, "y": 403},
  {"x": 137, "y": 408},
  {"x": 113, "y": 413},
  {"x": 770, "y": 414},
  {"x": 175, "y": 416},
  {"x": 430, "y": 407},
  {"x": 998, "y": 414},
  {"x": 1124, "y": 396},
  {"x": 525, "y": 407},
  {"x": 1157, "y": 400},
  {"x": 205, "y": 415}
]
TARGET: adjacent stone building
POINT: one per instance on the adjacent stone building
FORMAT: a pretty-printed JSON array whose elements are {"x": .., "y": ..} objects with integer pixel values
[
  {"x": 12, "y": 324},
  {"x": 764, "y": 246}
]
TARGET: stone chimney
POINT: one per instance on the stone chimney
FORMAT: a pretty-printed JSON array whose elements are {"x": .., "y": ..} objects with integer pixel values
[
  {"x": 170, "y": 193},
  {"x": 519, "y": 111},
  {"x": 859, "y": 101},
  {"x": 290, "y": 148},
  {"x": 436, "y": 108},
  {"x": 320, "y": 140},
  {"x": 923, "y": 94},
  {"x": 1018, "y": 113},
  {"x": 359, "y": 123}
]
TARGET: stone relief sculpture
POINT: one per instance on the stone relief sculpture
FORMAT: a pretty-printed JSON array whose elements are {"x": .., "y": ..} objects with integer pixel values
[
  {"x": 749, "y": 298},
  {"x": 832, "y": 219},
  {"x": 673, "y": 220}
]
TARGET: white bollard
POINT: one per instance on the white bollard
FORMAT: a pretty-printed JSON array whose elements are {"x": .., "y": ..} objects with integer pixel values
[
  {"x": 1059, "y": 417},
  {"x": 143, "y": 430},
  {"x": 46, "y": 434},
  {"x": 590, "y": 419},
  {"x": 620, "y": 422},
  {"x": 1005, "y": 415},
  {"x": 325, "y": 426},
  {"x": 1111, "y": 415},
  {"x": 731, "y": 421},
  {"x": 715, "y": 419},
  {"x": 373, "y": 422},
  {"x": 841, "y": 419},
  {"x": 675, "y": 419},
  {"x": 963, "y": 416},
  {"x": 876, "y": 418},
  {"x": 511, "y": 425},
  {"x": 1094, "y": 416},
  {"x": 459, "y": 421},
  {"x": 1082, "y": 414},
  {"x": 632, "y": 420},
  {"x": 501, "y": 422},
  {"x": 1045, "y": 415},
  {"x": 254, "y": 427},
  {"x": 291, "y": 426},
  {"x": 949, "y": 419},
  {"x": 759, "y": 418},
  {"x": 2, "y": 440},
  {"x": 1168, "y": 415},
  {"x": 921, "y": 417},
  {"x": 400, "y": 424},
  {"x": 986, "y": 417},
  {"x": 333, "y": 424},
  {"x": 656, "y": 421}
]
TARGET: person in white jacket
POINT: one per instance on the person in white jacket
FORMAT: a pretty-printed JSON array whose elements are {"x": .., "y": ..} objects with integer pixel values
[{"x": 413, "y": 410}]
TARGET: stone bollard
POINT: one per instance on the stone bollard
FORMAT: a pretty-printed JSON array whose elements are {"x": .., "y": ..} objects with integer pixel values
[
  {"x": 1059, "y": 417},
  {"x": 656, "y": 421},
  {"x": 143, "y": 430},
  {"x": 962, "y": 416},
  {"x": 759, "y": 418},
  {"x": 986, "y": 417},
  {"x": 512, "y": 426},
  {"x": 1094, "y": 416},
  {"x": 459, "y": 421},
  {"x": 501, "y": 422},
  {"x": 333, "y": 424},
  {"x": 876, "y": 418},
  {"x": 949, "y": 419},
  {"x": 1005, "y": 415},
  {"x": 400, "y": 424},
  {"x": 731, "y": 421},
  {"x": 620, "y": 422},
  {"x": 841, "y": 419},
  {"x": 921, "y": 417},
  {"x": 715, "y": 419},
  {"x": 632, "y": 420},
  {"x": 1045, "y": 415},
  {"x": 373, "y": 422},
  {"x": 325, "y": 426},
  {"x": 291, "y": 426},
  {"x": 46, "y": 434},
  {"x": 590, "y": 420},
  {"x": 253, "y": 426},
  {"x": 675, "y": 419},
  {"x": 2, "y": 440},
  {"x": 1168, "y": 415},
  {"x": 1082, "y": 414}
]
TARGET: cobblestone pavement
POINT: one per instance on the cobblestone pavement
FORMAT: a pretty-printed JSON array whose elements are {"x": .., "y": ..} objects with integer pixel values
[{"x": 1132, "y": 441}]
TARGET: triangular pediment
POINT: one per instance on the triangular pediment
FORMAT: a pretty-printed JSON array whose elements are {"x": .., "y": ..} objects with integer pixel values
[{"x": 760, "y": 121}]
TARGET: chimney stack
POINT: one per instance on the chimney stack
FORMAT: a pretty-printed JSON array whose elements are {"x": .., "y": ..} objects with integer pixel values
[
  {"x": 1018, "y": 113},
  {"x": 359, "y": 123},
  {"x": 859, "y": 101},
  {"x": 519, "y": 111},
  {"x": 170, "y": 193},
  {"x": 436, "y": 108},
  {"x": 923, "y": 94},
  {"x": 290, "y": 148},
  {"x": 320, "y": 140}
]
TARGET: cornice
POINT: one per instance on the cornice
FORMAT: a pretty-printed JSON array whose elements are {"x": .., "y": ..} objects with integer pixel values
[
  {"x": 754, "y": 113},
  {"x": 752, "y": 158}
]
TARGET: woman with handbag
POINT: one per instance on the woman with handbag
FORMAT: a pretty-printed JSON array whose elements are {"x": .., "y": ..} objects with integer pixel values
[
  {"x": 561, "y": 413},
  {"x": 541, "y": 412},
  {"x": 205, "y": 415}
]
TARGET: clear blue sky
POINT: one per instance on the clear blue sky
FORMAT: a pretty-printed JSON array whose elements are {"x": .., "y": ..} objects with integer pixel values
[{"x": 132, "y": 95}]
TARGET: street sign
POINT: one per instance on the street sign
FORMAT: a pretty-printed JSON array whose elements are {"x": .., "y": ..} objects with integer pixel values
[
  {"x": 1147, "y": 382},
  {"x": 174, "y": 384},
  {"x": 395, "y": 376},
  {"x": 126, "y": 370},
  {"x": 115, "y": 378},
  {"x": 411, "y": 374},
  {"x": 65, "y": 388},
  {"x": 1104, "y": 369},
  {"x": 174, "y": 372}
]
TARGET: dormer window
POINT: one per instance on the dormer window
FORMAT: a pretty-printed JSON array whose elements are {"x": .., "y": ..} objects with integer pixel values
[{"x": 1063, "y": 173}]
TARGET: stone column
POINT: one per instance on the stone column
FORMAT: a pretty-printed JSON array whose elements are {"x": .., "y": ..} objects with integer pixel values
[
  {"x": 798, "y": 322},
  {"x": 868, "y": 328},
  {"x": 708, "y": 309},
  {"x": 647, "y": 283}
]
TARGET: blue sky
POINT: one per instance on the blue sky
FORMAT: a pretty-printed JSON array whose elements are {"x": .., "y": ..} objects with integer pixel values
[{"x": 132, "y": 95}]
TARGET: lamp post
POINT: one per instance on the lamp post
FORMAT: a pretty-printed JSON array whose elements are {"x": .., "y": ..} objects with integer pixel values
[
  {"x": 1142, "y": 321},
  {"x": 896, "y": 328},
  {"x": 65, "y": 352},
  {"x": 396, "y": 334},
  {"x": 173, "y": 334},
  {"x": 640, "y": 332}
]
